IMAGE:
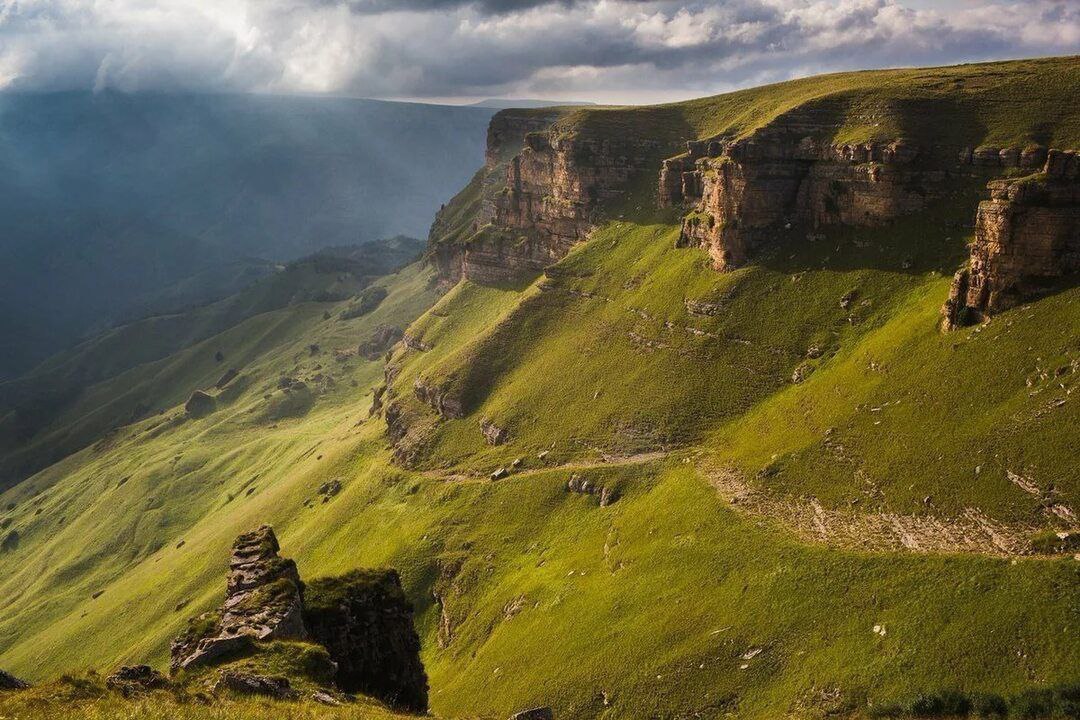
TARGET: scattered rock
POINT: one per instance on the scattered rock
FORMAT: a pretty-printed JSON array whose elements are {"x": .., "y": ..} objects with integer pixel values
[
  {"x": 499, "y": 474},
  {"x": 538, "y": 713},
  {"x": 584, "y": 486},
  {"x": 219, "y": 356},
  {"x": 493, "y": 434},
  {"x": 324, "y": 698},
  {"x": 330, "y": 488},
  {"x": 801, "y": 372},
  {"x": 848, "y": 298},
  {"x": 10, "y": 682},
  {"x": 542, "y": 455},
  {"x": 517, "y": 462},
  {"x": 199, "y": 404},
  {"x": 380, "y": 341},
  {"x": 275, "y": 687},
  {"x": 131, "y": 680}
]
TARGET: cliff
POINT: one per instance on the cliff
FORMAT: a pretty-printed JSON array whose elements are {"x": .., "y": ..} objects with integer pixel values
[
  {"x": 1027, "y": 235},
  {"x": 543, "y": 188}
]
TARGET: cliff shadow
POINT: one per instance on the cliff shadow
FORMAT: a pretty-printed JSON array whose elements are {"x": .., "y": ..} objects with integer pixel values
[{"x": 934, "y": 239}]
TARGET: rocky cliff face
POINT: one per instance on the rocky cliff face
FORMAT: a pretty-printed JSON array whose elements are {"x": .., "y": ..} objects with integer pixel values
[
  {"x": 738, "y": 189},
  {"x": 365, "y": 622},
  {"x": 541, "y": 200},
  {"x": 1026, "y": 234}
]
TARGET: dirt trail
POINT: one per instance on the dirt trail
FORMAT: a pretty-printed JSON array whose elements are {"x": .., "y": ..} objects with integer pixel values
[
  {"x": 972, "y": 532},
  {"x": 607, "y": 460}
]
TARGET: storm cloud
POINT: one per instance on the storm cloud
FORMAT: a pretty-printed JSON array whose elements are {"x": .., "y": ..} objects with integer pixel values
[{"x": 609, "y": 51}]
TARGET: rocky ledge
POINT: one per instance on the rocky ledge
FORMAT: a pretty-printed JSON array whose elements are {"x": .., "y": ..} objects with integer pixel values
[
  {"x": 362, "y": 623},
  {"x": 1027, "y": 236},
  {"x": 737, "y": 190}
]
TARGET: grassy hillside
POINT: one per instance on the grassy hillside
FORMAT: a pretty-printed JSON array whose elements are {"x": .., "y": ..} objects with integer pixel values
[
  {"x": 822, "y": 506},
  {"x": 118, "y": 204}
]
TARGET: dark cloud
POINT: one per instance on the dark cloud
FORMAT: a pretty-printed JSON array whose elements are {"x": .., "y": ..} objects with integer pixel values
[{"x": 609, "y": 50}]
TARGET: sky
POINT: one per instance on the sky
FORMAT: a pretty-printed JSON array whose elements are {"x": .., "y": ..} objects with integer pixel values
[{"x": 610, "y": 51}]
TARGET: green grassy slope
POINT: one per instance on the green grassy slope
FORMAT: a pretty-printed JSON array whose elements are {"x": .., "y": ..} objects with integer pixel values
[
  {"x": 639, "y": 368},
  {"x": 997, "y": 103},
  {"x": 133, "y": 370}
]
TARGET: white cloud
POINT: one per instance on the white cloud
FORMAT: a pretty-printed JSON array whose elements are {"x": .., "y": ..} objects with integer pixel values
[{"x": 609, "y": 50}]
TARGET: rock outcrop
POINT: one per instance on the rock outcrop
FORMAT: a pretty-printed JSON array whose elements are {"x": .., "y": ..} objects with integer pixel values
[
  {"x": 362, "y": 621},
  {"x": 10, "y": 682},
  {"x": 263, "y": 601},
  {"x": 1026, "y": 236},
  {"x": 740, "y": 191},
  {"x": 380, "y": 341},
  {"x": 365, "y": 622},
  {"x": 199, "y": 404},
  {"x": 538, "y": 713},
  {"x": 272, "y": 686},
  {"x": 540, "y": 201},
  {"x": 584, "y": 486}
]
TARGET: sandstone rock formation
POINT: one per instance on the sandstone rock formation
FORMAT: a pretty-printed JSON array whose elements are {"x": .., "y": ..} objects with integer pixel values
[
  {"x": 546, "y": 199},
  {"x": 1026, "y": 235},
  {"x": 365, "y": 622},
  {"x": 10, "y": 682},
  {"x": 741, "y": 190},
  {"x": 263, "y": 601}
]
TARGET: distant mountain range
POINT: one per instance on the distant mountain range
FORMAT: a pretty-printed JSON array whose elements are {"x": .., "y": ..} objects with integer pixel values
[{"x": 115, "y": 205}]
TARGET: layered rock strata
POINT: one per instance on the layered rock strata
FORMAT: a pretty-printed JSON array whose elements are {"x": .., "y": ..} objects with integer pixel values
[
  {"x": 739, "y": 190},
  {"x": 544, "y": 201},
  {"x": 1027, "y": 235},
  {"x": 263, "y": 601},
  {"x": 362, "y": 619}
]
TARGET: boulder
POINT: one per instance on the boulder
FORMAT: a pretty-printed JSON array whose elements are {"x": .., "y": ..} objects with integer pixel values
[
  {"x": 366, "y": 623},
  {"x": 132, "y": 680},
  {"x": 537, "y": 713},
  {"x": 199, "y": 404},
  {"x": 10, "y": 682},
  {"x": 271, "y": 686},
  {"x": 493, "y": 434}
]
